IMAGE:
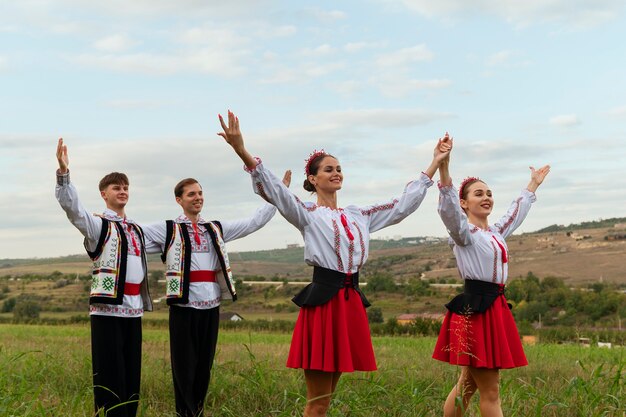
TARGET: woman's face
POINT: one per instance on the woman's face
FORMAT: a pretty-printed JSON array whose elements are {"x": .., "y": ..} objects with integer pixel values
[
  {"x": 478, "y": 201},
  {"x": 329, "y": 177}
]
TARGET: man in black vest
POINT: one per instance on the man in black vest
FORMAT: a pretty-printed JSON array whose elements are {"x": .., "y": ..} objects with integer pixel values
[
  {"x": 198, "y": 277},
  {"x": 119, "y": 288}
]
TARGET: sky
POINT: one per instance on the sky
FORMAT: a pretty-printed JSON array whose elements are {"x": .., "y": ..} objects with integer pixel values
[{"x": 137, "y": 86}]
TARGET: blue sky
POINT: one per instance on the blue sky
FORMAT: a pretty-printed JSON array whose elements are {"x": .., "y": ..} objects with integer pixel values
[{"x": 137, "y": 86}]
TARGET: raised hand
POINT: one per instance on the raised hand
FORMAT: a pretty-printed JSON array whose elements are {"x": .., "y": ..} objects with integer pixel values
[
  {"x": 537, "y": 176},
  {"x": 287, "y": 178},
  {"x": 64, "y": 160},
  {"x": 443, "y": 149},
  {"x": 232, "y": 133}
]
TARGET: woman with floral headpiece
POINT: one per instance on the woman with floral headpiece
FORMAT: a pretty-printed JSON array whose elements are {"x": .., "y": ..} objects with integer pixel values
[
  {"x": 479, "y": 332},
  {"x": 331, "y": 335}
]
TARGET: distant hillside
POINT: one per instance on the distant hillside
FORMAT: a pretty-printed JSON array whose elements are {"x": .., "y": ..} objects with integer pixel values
[
  {"x": 595, "y": 224},
  {"x": 570, "y": 252}
]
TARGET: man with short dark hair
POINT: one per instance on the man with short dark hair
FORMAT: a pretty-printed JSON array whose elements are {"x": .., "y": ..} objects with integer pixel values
[
  {"x": 198, "y": 277},
  {"x": 119, "y": 288}
]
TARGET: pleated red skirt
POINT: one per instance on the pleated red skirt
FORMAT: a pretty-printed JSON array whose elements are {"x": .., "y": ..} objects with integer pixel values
[
  {"x": 481, "y": 340},
  {"x": 333, "y": 337}
]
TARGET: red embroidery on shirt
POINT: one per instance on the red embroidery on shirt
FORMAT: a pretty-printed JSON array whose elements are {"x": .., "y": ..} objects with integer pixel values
[
  {"x": 495, "y": 262},
  {"x": 337, "y": 246},
  {"x": 261, "y": 191},
  {"x": 512, "y": 218},
  {"x": 362, "y": 243},
  {"x": 375, "y": 209},
  {"x": 307, "y": 208}
]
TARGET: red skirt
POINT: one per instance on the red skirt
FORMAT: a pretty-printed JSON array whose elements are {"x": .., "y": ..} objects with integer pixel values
[
  {"x": 333, "y": 337},
  {"x": 481, "y": 340}
]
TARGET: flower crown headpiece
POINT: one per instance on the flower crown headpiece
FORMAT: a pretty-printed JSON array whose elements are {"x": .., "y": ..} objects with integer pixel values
[
  {"x": 464, "y": 184},
  {"x": 315, "y": 154}
]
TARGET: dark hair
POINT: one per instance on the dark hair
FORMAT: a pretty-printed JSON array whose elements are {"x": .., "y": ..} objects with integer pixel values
[
  {"x": 313, "y": 166},
  {"x": 180, "y": 187},
  {"x": 113, "y": 178}
]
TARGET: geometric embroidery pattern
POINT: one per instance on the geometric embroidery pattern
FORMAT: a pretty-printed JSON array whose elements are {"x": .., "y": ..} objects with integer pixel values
[
  {"x": 94, "y": 283},
  {"x": 173, "y": 286},
  {"x": 108, "y": 283}
]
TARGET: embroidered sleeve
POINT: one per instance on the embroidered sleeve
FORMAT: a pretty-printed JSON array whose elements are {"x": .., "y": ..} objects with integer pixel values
[
  {"x": 394, "y": 211},
  {"x": 272, "y": 190},
  {"x": 453, "y": 216},
  {"x": 89, "y": 225},
  {"x": 516, "y": 214},
  {"x": 236, "y": 229}
]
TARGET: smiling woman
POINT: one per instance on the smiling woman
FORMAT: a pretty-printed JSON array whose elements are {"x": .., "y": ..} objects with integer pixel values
[
  {"x": 479, "y": 332},
  {"x": 331, "y": 335}
]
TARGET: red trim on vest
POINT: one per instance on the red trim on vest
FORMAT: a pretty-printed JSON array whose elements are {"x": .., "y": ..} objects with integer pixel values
[
  {"x": 202, "y": 276},
  {"x": 131, "y": 289}
]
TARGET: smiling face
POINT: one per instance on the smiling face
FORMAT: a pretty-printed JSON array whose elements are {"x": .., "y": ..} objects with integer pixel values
[
  {"x": 191, "y": 199},
  {"x": 115, "y": 196},
  {"x": 477, "y": 200},
  {"x": 328, "y": 177}
]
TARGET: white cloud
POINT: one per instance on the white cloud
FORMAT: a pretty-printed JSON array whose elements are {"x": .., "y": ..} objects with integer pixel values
[
  {"x": 4, "y": 63},
  {"x": 115, "y": 43},
  {"x": 204, "y": 60},
  {"x": 353, "y": 47},
  {"x": 619, "y": 112},
  {"x": 320, "y": 50},
  {"x": 405, "y": 56},
  {"x": 279, "y": 73},
  {"x": 136, "y": 104},
  {"x": 397, "y": 84},
  {"x": 327, "y": 15},
  {"x": 385, "y": 118},
  {"x": 565, "y": 12},
  {"x": 565, "y": 120}
]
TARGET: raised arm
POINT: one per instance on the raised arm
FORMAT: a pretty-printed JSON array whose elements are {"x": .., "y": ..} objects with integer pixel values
[
  {"x": 394, "y": 211},
  {"x": 232, "y": 135},
  {"x": 520, "y": 207},
  {"x": 236, "y": 229},
  {"x": 90, "y": 226},
  {"x": 264, "y": 182}
]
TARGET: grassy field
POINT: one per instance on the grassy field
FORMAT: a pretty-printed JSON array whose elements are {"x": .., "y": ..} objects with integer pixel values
[{"x": 45, "y": 371}]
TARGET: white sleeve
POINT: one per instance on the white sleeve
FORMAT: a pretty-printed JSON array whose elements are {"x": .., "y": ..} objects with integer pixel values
[
  {"x": 516, "y": 214},
  {"x": 272, "y": 190},
  {"x": 453, "y": 216},
  {"x": 89, "y": 225},
  {"x": 154, "y": 234},
  {"x": 235, "y": 229},
  {"x": 392, "y": 212}
]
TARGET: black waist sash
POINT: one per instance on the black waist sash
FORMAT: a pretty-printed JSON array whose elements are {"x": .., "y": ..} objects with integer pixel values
[
  {"x": 326, "y": 284},
  {"x": 477, "y": 297}
]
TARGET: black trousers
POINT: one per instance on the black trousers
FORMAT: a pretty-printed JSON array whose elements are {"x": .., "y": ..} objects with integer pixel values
[
  {"x": 193, "y": 338},
  {"x": 116, "y": 362}
]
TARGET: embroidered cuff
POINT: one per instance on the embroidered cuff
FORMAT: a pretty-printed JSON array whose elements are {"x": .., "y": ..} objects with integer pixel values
[
  {"x": 63, "y": 179},
  {"x": 426, "y": 179},
  {"x": 248, "y": 170},
  {"x": 445, "y": 187}
]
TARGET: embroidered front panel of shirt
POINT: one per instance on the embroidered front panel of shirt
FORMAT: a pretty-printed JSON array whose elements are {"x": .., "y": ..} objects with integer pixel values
[
  {"x": 362, "y": 243},
  {"x": 133, "y": 239},
  {"x": 203, "y": 246},
  {"x": 337, "y": 246}
]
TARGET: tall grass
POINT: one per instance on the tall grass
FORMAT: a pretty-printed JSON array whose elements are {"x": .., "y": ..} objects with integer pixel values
[{"x": 46, "y": 371}]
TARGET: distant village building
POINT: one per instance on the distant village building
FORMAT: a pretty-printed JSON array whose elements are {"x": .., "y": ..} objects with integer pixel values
[
  {"x": 230, "y": 317},
  {"x": 406, "y": 319},
  {"x": 293, "y": 246}
]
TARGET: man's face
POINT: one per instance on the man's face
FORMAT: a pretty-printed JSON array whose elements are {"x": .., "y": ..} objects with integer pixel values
[
  {"x": 115, "y": 196},
  {"x": 192, "y": 199}
]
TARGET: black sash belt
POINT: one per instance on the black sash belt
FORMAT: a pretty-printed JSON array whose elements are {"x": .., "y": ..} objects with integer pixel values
[
  {"x": 477, "y": 297},
  {"x": 326, "y": 284}
]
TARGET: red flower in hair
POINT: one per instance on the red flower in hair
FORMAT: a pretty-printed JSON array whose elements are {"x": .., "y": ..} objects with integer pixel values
[
  {"x": 464, "y": 184},
  {"x": 308, "y": 161}
]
